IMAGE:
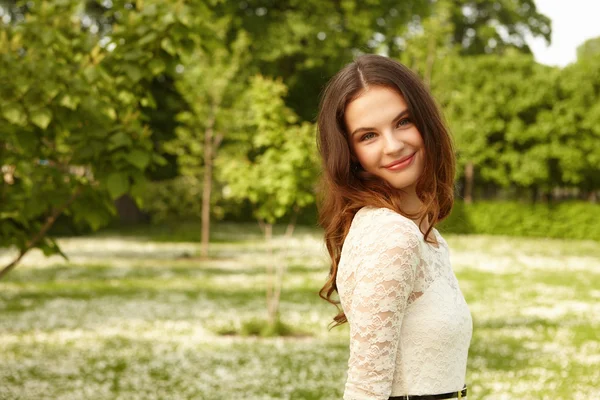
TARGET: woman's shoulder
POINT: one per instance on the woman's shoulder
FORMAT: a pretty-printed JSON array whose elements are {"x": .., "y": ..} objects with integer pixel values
[
  {"x": 379, "y": 223},
  {"x": 381, "y": 216}
]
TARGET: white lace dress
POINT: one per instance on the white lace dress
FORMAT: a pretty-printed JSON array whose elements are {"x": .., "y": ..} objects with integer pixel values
[{"x": 410, "y": 327}]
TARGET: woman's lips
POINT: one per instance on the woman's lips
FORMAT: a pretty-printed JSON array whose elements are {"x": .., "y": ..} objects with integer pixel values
[{"x": 400, "y": 165}]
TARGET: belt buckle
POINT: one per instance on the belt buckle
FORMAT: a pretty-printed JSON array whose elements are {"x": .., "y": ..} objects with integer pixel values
[{"x": 460, "y": 394}]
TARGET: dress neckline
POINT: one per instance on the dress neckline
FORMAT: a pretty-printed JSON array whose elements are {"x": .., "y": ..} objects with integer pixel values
[
  {"x": 436, "y": 233},
  {"x": 438, "y": 237}
]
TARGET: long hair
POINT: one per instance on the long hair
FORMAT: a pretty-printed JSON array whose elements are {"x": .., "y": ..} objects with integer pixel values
[{"x": 345, "y": 187}]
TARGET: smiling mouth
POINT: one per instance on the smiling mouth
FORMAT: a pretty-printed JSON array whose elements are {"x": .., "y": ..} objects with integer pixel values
[{"x": 401, "y": 163}]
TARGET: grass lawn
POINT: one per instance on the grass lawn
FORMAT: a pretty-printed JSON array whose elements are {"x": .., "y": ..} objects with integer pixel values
[{"x": 135, "y": 315}]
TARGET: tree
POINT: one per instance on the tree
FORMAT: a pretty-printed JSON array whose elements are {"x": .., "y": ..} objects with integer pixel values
[
  {"x": 588, "y": 49},
  {"x": 484, "y": 27},
  {"x": 306, "y": 42},
  {"x": 56, "y": 107},
  {"x": 421, "y": 48},
  {"x": 73, "y": 136},
  {"x": 275, "y": 169},
  {"x": 495, "y": 107},
  {"x": 210, "y": 81},
  {"x": 573, "y": 126}
]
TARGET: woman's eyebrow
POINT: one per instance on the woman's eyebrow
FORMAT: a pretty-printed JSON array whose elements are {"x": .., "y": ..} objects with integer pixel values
[{"x": 400, "y": 115}]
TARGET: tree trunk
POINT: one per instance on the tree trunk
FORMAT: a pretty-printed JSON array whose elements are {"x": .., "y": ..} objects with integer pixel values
[
  {"x": 40, "y": 235},
  {"x": 261, "y": 224},
  {"x": 289, "y": 231},
  {"x": 276, "y": 268},
  {"x": 469, "y": 183},
  {"x": 207, "y": 182},
  {"x": 128, "y": 211},
  {"x": 271, "y": 302},
  {"x": 269, "y": 235},
  {"x": 430, "y": 59},
  {"x": 534, "y": 194}
]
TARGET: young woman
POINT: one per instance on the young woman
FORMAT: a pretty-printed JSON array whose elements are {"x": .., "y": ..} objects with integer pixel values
[{"x": 388, "y": 170}]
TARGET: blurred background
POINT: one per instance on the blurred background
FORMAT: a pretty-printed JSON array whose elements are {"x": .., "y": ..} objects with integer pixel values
[{"x": 158, "y": 223}]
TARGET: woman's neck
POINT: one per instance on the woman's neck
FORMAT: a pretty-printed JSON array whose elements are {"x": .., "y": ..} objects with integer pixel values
[{"x": 411, "y": 205}]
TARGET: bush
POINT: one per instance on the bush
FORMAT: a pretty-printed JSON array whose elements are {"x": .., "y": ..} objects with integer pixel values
[
  {"x": 573, "y": 219},
  {"x": 260, "y": 327},
  {"x": 174, "y": 199},
  {"x": 180, "y": 199}
]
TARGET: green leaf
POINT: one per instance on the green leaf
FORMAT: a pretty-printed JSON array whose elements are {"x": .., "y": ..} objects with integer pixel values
[
  {"x": 147, "y": 38},
  {"x": 168, "y": 18},
  {"x": 148, "y": 101},
  {"x": 69, "y": 102},
  {"x": 119, "y": 139},
  {"x": 168, "y": 46},
  {"x": 156, "y": 66},
  {"x": 96, "y": 218},
  {"x": 138, "y": 190},
  {"x": 27, "y": 140},
  {"x": 139, "y": 158},
  {"x": 110, "y": 113},
  {"x": 14, "y": 114},
  {"x": 133, "y": 72},
  {"x": 158, "y": 159},
  {"x": 51, "y": 92},
  {"x": 41, "y": 117},
  {"x": 126, "y": 97},
  {"x": 50, "y": 247},
  {"x": 117, "y": 184},
  {"x": 9, "y": 215}
]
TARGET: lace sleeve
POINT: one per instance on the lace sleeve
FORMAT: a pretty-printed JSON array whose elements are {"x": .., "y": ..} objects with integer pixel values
[{"x": 384, "y": 280}]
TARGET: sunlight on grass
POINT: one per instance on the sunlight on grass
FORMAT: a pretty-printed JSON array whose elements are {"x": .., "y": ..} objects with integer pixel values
[{"x": 132, "y": 318}]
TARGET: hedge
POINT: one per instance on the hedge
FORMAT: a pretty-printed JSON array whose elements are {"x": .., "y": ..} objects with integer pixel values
[{"x": 571, "y": 219}]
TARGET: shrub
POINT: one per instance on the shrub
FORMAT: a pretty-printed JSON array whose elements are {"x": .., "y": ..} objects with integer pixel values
[
  {"x": 174, "y": 199},
  {"x": 572, "y": 219}
]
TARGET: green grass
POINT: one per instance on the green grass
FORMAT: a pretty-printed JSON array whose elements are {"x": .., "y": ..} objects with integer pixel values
[
  {"x": 136, "y": 316},
  {"x": 185, "y": 231}
]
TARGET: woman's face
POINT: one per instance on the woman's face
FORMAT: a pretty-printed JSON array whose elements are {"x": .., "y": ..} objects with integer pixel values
[{"x": 384, "y": 138}]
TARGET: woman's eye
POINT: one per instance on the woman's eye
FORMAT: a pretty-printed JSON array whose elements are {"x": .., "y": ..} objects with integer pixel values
[
  {"x": 403, "y": 122},
  {"x": 367, "y": 136}
]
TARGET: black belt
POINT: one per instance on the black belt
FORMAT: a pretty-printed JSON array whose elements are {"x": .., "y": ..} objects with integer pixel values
[{"x": 451, "y": 395}]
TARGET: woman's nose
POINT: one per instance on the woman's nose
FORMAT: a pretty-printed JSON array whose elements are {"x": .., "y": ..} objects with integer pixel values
[{"x": 393, "y": 144}]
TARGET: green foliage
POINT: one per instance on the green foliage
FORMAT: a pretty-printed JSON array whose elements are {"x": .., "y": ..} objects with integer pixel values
[
  {"x": 573, "y": 126},
  {"x": 209, "y": 85},
  {"x": 258, "y": 327},
  {"x": 73, "y": 134},
  {"x": 306, "y": 42},
  {"x": 589, "y": 48},
  {"x": 523, "y": 123},
  {"x": 53, "y": 112},
  {"x": 180, "y": 199},
  {"x": 275, "y": 168},
  {"x": 492, "y": 104},
  {"x": 176, "y": 199},
  {"x": 421, "y": 48},
  {"x": 140, "y": 318},
  {"x": 478, "y": 25},
  {"x": 574, "y": 220},
  {"x": 87, "y": 114}
]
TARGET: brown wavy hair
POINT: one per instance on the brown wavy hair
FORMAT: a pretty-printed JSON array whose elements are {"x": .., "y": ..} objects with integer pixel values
[{"x": 345, "y": 187}]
